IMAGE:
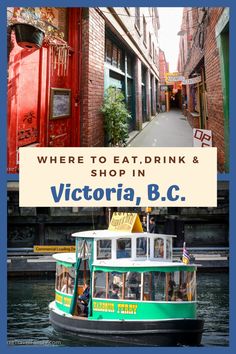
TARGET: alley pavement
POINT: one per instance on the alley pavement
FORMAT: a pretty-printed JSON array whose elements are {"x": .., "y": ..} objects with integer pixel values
[{"x": 166, "y": 129}]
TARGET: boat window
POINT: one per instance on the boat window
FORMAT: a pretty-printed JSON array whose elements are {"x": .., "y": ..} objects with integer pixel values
[
  {"x": 103, "y": 249},
  {"x": 115, "y": 285},
  {"x": 180, "y": 286},
  {"x": 123, "y": 248},
  {"x": 133, "y": 286},
  {"x": 168, "y": 249},
  {"x": 99, "y": 284},
  {"x": 65, "y": 279},
  {"x": 154, "y": 286},
  {"x": 141, "y": 247},
  {"x": 158, "y": 248}
]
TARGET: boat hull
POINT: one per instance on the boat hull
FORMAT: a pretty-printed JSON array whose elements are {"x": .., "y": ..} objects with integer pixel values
[{"x": 132, "y": 333}]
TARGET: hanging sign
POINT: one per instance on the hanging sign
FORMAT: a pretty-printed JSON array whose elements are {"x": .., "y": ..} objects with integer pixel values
[
  {"x": 177, "y": 77},
  {"x": 174, "y": 77},
  {"x": 192, "y": 81},
  {"x": 164, "y": 88}
]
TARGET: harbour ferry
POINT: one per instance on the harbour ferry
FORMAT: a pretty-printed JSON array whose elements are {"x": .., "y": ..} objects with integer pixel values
[{"x": 121, "y": 285}]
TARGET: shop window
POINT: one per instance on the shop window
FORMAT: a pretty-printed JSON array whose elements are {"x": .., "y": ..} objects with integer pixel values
[
  {"x": 103, "y": 249},
  {"x": 154, "y": 286},
  {"x": 158, "y": 248},
  {"x": 129, "y": 94},
  {"x": 133, "y": 286},
  {"x": 123, "y": 248},
  {"x": 114, "y": 55},
  {"x": 65, "y": 279},
  {"x": 129, "y": 66}
]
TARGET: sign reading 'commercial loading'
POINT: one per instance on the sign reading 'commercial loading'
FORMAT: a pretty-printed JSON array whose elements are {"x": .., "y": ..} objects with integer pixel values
[{"x": 118, "y": 177}]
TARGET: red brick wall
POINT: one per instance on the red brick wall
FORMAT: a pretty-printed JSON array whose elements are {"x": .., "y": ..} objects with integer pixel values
[
  {"x": 213, "y": 83},
  {"x": 214, "y": 87},
  {"x": 92, "y": 87}
]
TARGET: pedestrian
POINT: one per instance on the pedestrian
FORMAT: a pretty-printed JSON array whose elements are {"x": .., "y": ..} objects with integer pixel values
[
  {"x": 144, "y": 223},
  {"x": 152, "y": 226}
]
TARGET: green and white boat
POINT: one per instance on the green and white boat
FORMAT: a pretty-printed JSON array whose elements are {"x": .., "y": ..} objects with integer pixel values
[{"x": 138, "y": 296}]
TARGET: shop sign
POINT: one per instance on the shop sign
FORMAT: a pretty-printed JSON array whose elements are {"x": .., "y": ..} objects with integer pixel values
[
  {"x": 164, "y": 88},
  {"x": 128, "y": 222},
  {"x": 53, "y": 249},
  {"x": 174, "y": 77},
  {"x": 192, "y": 81},
  {"x": 202, "y": 138}
]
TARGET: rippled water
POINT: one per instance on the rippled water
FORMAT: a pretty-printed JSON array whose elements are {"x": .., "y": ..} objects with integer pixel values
[{"x": 28, "y": 322}]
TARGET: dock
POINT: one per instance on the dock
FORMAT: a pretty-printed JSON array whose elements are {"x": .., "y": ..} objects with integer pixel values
[{"x": 23, "y": 261}]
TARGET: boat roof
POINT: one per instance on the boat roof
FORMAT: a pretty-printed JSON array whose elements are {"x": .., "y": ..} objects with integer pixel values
[
  {"x": 65, "y": 257},
  {"x": 113, "y": 234},
  {"x": 123, "y": 263}
]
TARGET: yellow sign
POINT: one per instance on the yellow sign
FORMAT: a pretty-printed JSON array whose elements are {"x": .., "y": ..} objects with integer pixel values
[
  {"x": 173, "y": 77},
  {"x": 53, "y": 249},
  {"x": 129, "y": 222}
]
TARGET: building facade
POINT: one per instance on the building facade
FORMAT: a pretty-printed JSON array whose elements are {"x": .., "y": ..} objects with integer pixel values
[
  {"x": 56, "y": 88},
  {"x": 164, "y": 68},
  {"x": 204, "y": 51}
]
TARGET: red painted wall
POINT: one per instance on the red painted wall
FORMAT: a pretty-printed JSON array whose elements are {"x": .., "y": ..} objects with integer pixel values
[{"x": 30, "y": 78}]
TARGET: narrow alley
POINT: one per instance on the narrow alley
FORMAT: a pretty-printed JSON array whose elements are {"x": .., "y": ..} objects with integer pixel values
[{"x": 166, "y": 129}]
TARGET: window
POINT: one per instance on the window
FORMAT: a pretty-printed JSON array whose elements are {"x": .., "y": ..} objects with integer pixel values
[
  {"x": 154, "y": 286},
  {"x": 180, "y": 286},
  {"x": 115, "y": 285},
  {"x": 99, "y": 285},
  {"x": 141, "y": 247},
  {"x": 65, "y": 278},
  {"x": 168, "y": 249},
  {"x": 123, "y": 248},
  {"x": 103, "y": 249},
  {"x": 114, "y": 55},
  {"x": 150, "y": 44},
  {"x": 137, "y": 17},
  {"x": 144, "y": 31},
  {"x": 158, "y": 248},
  {"x": 133, "y": 286}
]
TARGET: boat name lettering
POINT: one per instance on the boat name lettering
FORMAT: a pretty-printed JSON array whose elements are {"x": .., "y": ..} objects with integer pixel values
[
  {"x": 59, "y": 298},
  {"x": 127, "y": 309},
  {"x": 103, "y": 306}
]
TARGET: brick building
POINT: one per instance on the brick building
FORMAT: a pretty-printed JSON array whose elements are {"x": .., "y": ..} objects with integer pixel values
[
  {"x": 204, "y": 51},
  {"x": 164, "y": 68},
  {"x": 56, "y": 88}
]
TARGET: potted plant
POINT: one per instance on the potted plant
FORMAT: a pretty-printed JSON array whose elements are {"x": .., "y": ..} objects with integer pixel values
[{"x": 116, "y": 117}]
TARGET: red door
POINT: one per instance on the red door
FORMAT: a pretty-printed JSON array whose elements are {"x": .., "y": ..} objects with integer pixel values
[{"x": 43, "y": 88}]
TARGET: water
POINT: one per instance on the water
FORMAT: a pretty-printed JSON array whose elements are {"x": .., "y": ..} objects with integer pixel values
[{"x": 28, "y": 322}]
